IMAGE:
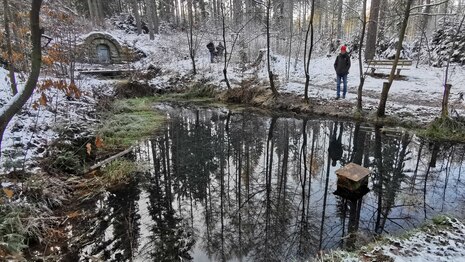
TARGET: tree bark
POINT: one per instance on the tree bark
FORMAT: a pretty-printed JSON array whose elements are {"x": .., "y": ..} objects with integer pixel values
[
  {"x": 11, "y": 66},
  {"x": 16, "y": 103},
  {"x": 370, "y": 48},
  {"x": 387, "y": 85}
]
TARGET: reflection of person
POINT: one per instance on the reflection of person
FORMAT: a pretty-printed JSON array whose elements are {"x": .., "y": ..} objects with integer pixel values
[
  {"x": 342, "y": 66},
  {"x": 335, "y": 145},
  {"x": 211, "y": 49}
]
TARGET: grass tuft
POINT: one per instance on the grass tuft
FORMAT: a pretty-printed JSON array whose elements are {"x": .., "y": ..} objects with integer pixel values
[{"x": 444, "y": 129}]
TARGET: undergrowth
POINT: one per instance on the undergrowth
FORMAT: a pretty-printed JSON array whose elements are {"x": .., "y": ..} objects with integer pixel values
[
  {"x": 200, "y": 91},
  {"x": 113, "y": 175},
  {"x": 128, "y": 121},
  {"x": 445, "y": 129},
  {"x": 26, "y": 216}
]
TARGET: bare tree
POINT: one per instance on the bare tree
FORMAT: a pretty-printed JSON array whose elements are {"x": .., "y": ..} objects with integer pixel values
[
  {"x": 190, "y": 35},
  {"x": 339, "y": 19},
  {"x": 362, "y": 75},
  {"x": 150, "y": 19},
  {"x": 307, "y": 57},
  {"x": 225, "y": 68},
  {"x": 135, "y": 11},
  {"x": 268, "y": 49},
  {"x": 387, "y": 85},
  {"x": 11, "y": 65},
  {"x": 16, "y": 102},
  {"x": 447, "y": 86}
]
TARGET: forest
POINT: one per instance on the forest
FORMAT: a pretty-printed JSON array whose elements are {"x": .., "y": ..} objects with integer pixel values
[{"x": 213, "y": 130}]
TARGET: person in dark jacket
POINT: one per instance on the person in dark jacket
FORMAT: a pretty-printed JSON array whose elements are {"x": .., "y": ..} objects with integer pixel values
[
  {"x": 211, "y": 49},
  {"x": 342, "y": 66}
]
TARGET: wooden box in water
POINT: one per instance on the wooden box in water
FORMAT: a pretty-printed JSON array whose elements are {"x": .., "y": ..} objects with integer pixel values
[{"x": 352, "y": 176}]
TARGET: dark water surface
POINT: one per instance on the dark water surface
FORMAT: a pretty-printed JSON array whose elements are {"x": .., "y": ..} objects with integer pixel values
[{"x": 225, "y": 186}]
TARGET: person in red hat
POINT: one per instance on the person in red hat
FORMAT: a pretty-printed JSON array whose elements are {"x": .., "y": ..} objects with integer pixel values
[{"x": 342, "y": 66}]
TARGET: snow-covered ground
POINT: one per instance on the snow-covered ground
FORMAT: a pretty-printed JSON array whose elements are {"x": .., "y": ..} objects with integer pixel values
[
  {"x": 32, "y": 130},
  {"x": 432, "y": 243},
  {"x": 417, "y": 96}
]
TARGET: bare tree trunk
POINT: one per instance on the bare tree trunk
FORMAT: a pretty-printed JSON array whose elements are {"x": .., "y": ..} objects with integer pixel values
[
  {"x": 387, "y": 85},
  {"x": 96, "y": 13},
  {"x": 291, "y": 31},
  {"x": 339, "y": 19},
  {"x": 135, "y": 11},
  {"x": 156, "y": 18},
  {"x": 11, "y": 65},
  {"x": 225, "y": 68},
  {"x": 150, "y": 19},
  {"x": 308, "y": 57},
  {"x": 16, "y": 103},
  {"x": 190, "y": 36},
  {"x": 270, "y": 72},
  {"x": 362, "y": 75},
  {"x": 203, "y": 10},
  {"x": 176, "y": 13},
  {"x": 101, "y": 14},
  {"x": 444, "y": 8},
  {"x": 370, "y": 48},
  {"x": 382, "y": 20},
  {"x": 447, "y": 86},
  {"x": 90, "y": 4}
]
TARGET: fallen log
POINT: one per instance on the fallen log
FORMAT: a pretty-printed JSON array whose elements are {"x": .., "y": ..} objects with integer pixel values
[{"x": 108, "y": 160}]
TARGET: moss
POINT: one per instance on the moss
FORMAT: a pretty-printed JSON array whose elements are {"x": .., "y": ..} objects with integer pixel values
[
  {"x": 444, "y": 129},
  {"x": 129, "y": 121}
]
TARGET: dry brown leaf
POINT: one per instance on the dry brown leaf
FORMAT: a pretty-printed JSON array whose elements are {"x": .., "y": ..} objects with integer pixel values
[
  {"x": 89, "y": 148},
  {"x": 98, "y": 142},
  {"x": 8, "y": 192},
  {"x": 73, "y": 214},
  {"x": 43, "y": 100}
]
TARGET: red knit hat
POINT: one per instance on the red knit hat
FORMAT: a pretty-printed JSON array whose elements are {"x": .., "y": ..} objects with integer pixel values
[{"x": 343, "y": 48}]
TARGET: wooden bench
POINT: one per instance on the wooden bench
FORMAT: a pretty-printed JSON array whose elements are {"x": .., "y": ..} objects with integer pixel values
[{"x": 388, "y": 64}]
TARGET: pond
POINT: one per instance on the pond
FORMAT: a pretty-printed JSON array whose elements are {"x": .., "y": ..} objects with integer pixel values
[{"x": 223, "y": 185}]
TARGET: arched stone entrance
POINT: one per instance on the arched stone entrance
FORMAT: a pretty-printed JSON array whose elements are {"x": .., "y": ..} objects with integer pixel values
[{"x": 102, "y": 49}]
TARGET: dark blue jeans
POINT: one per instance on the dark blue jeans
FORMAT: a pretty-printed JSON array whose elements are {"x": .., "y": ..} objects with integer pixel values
[{"x": 344, "y": 91}]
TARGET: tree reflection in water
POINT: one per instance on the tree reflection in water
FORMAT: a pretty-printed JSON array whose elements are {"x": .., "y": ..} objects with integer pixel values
[{"x": 239, "y": 186}]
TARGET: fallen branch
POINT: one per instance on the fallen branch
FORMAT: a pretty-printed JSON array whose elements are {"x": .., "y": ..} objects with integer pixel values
[{"x": 108, "y": 160}]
